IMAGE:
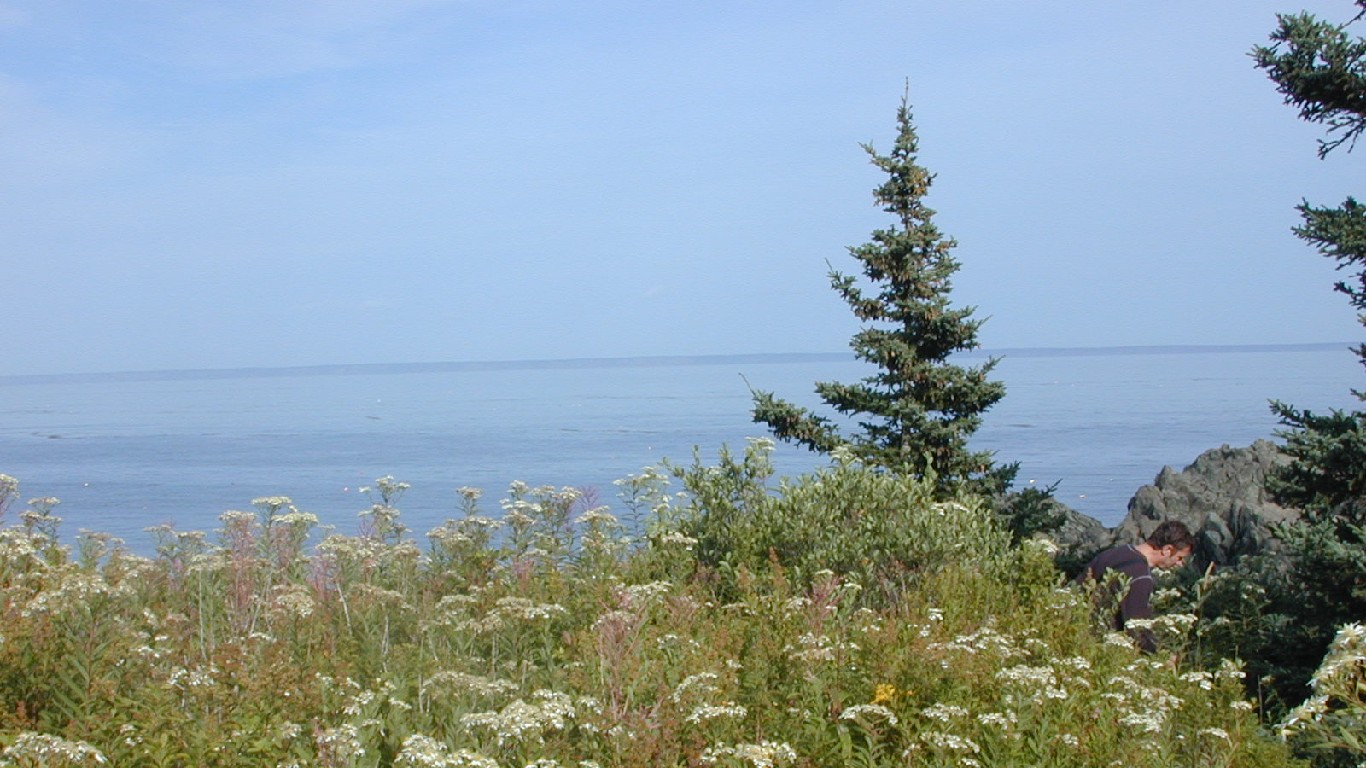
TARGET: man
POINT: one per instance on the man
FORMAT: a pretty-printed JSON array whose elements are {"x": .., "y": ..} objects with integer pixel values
[{"x": 1167, "y": 547}]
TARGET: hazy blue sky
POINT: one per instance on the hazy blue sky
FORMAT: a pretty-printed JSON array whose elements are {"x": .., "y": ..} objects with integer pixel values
[{"x": 264, "y": 183}]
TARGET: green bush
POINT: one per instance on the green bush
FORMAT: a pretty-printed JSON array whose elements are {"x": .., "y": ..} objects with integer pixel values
[{"x": 870, "y": 527}]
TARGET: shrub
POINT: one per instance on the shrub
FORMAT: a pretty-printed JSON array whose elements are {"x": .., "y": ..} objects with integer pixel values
[{"x": 870, "y": 527}]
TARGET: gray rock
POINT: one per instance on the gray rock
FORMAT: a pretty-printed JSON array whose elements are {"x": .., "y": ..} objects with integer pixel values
[
  {"x": 1221, "y": 497},
  {"x": 1081, "y": 535}
]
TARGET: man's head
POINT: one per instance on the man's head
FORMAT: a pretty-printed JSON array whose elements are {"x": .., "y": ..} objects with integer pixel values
[{"x": 1169, "y": 544}]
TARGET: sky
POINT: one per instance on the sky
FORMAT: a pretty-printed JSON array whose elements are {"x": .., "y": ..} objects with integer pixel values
[{"x": 189, "y": 185}]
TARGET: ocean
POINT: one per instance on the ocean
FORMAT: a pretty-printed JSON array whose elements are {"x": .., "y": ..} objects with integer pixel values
[{"x": 124, "y": 452}]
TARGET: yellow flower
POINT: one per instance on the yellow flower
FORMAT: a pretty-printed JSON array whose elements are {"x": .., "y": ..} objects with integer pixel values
[{"x": 884, "y": 693}]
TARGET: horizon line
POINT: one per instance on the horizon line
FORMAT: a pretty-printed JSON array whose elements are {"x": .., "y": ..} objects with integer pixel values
[{"x": 636, "y": 361}]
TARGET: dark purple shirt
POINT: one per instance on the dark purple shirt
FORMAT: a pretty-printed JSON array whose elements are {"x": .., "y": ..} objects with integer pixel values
[{"x": 1135, "y": 602}]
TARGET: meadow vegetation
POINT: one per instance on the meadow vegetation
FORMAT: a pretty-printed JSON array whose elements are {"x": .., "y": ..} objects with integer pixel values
[{"x": 846, "y": 617}]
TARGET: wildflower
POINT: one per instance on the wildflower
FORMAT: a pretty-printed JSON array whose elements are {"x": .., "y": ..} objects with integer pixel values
[
  {"x": 342, "y": 743},
  {"x": 597, "y": 515},
  {"x": 424, "y": 751},
  {"x": 1203, "y": 679},
  {"x": 185, "y": 679},
  {"x": 1041, "y": 678},
  {"x": 884, "y": 693},
  {"x": 522, "y": 721},
  {"x": 950, "y": 741},
  {"x": 298, "y": 519},
  {"x": 1043, "y": 544},
  {"x": 700, "y": 681},
  {"x": 459, "y": 681},
  {"x": 1304, "y": 714},
  {"x": 998, "y": 719},
  {"x": 236, "y": 517},
  {"x": 1175, "y": 622},
  {"x": 294, "y": 600},
  {"x": 876, "y": 710},
  {"x": 51, "y": 750},
  {"x": 943, "y": 712},
  {"x": 712, "y": 712},
  {"x": 1218, "y": 733},
  {"x": 984, "y": 640},
  {"x": 765, "y": 754},
  {"x": 1148, "y": 722},
  {"x": 820, "y": 648},
  {"x": 527, "y": 610},
  {"x": 1119, "y": 638},
  {"x": 675, "y": 537},
  {"x": 74, "y": 591},
  {"x": 1230, "y": 670},
  {"x": 1350, "y": 634},
  {"x": 640, "y": 595}
]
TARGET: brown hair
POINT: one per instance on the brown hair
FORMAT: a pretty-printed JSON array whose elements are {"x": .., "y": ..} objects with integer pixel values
[{"x": 1173, "y": 533}]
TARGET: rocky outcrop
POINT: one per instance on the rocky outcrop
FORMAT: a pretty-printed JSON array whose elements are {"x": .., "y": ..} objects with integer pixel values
[
  {"x": 1081, "y": 536},
  {"x": 1221, "y": 497}
]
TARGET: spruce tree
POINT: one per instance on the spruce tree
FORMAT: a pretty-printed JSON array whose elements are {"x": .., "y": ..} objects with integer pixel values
[
  {"x": 916, "y": 413},
  {"x": 1320, "y": 68}
]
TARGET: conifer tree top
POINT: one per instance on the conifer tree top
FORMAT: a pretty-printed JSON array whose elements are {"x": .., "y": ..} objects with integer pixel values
[{"x": 917, "y": 411}]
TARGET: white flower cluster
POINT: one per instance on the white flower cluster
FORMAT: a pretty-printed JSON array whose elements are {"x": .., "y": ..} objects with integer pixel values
[
  {"x": 700, "y": 683},
  {"x": 446, "y": 681},
  {"x": 943, "y": 712},
  {"x": 865, "y": 712},
  {"x": 638, "y": 596},
  {"x": 597, "y": 516},
  {"x": 523, "y": 721},
  {"x": 185, "y": 679},
  {"x": 678, "y": 538},
  {"x": 765, "y": 754},
  {"x": 709, "y": 712},
  {"x": 341, "y": 745},
  {"x": 297, "y": 519},
  {"x": 472, "y": 529},
  {"x": 294, "y": 600},
  {"x": 51, "y": 751},
  {"x": 950, "y": 742},
  {"x": 671, "y": 640},
  {"x": 1202, "y": 679},
  {"x": 73, "y": 590},
  {"x": 985, "y": 640},
  {"x": 527, "y": 610},
  {"x": 17, "y": 545},
  {"x": 1143, "y": 708},
  {"x": 1002, "y": 720},
  {"x": 425, "y": 752},
  {"x": 1339, "y": 684},
  {"x": 819, "y": 648},
  {"x": 1042, "y": 681}
]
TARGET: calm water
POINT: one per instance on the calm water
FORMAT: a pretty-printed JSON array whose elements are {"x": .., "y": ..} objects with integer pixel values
[{"x": 124, "y": 453}]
